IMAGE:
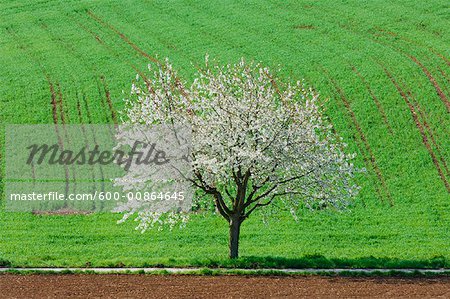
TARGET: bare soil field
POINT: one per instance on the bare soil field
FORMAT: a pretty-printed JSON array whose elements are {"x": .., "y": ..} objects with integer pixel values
[{"x": 184, "y": 286}]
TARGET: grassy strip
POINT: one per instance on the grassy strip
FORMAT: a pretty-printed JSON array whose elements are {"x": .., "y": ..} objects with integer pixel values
[{"x": 309, "y": 261}]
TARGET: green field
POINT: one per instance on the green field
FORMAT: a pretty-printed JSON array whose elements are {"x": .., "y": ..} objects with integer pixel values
[{"x": 384, "y": 67}]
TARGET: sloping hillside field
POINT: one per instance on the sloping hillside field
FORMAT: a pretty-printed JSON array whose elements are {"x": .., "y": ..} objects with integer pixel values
[{"x": 383, "y": 72}]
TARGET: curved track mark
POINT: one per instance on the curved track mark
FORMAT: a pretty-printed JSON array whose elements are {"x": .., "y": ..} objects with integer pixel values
[
  {"x": 108, "y": 100},
  {"x": 375, "y": 99},
  {"x": 58, "y": 133},
  {"x": 419, "y": 126},
  {"x": 122, "y": 36},
  {"x": 103, "y": 23},
  {"x": 430, "y": 77},
  {"x": 371, "y": 156},
  {"x": 433, "y": 81},
  {"x": 431, "y": 134},
  {"x": 432, "y": 50},
  {"x": 110, "y": 50},
  {"x": 86, "y": 141}
]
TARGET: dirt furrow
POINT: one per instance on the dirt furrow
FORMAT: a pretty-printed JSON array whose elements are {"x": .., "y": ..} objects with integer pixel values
[
  {"x": 58, "y": 133},
  {"x": 122, "y": 36},
  {"x": 110, "y": 50},
  {"x": 220, "y": 286},
  {"x": 63, "y": 118},
  {"x": 419, "y": 126},
  {"x": 446, "y": 79},
  {"x": 138, "y": 50},
  {"x": 433, "y": 81},
  {"x": 61, "y": 105},
  {"x": 70, "y": 49},
  {"x": 371, "y": 157},
  {"x": 104, "y": 24},
  {"x": 424, "y": 69},
  {"x": 108, "y": 100},
  {"x": 53, "y": 101},
  {"x": 432, "y": 50},
  {"x": 86, "y": 141},
  {"x": 431, "y": 134},
  {"x": 365, "y": 142},
  {"x": 375, "y": 99},
  {"x": 88, "y": 114}
]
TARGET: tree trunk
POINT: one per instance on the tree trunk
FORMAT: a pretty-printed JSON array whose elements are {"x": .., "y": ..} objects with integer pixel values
[{"x": 235, "y": 228}]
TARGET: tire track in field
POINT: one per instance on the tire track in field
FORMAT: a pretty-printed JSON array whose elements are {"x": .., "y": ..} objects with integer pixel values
[
  {"x": 369, "y": 157},
  {"x": 445, "y": 78},
  {"x": 110, "y": 49},
  {"x": 62, "y": 115},
  {"x": 444, "y": 75},
  {"x": 89, "y": 117},
  {"x": 419, "y": 126},
  {"x": 433, "y": 81},
  {"x": 122, "y": 36},
  {"x": 105, "y": 24},
  {"x": 375, "y": 99},
  {"x": 108, "y": 100},
  {"x": 86, "y": 142},
  {"x": 115, "y": 54},
  {"x": 56, "y": 102},
  {"x": 424, "y": 69},
  {"x": 363, "y": 153},
  {"x": 68, "y": 47},
  {"x": 431, "y": 134},
  {"x": 382, "y": 32},
  {"x": 58, "y": 133}
]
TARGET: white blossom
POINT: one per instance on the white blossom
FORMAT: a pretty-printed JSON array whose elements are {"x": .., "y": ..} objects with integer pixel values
[{"x": 256, "y": 141}]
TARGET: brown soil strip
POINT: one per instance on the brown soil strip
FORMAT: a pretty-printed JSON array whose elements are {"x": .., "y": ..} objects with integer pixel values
[
  {"x": 230, "y": 286},
  {"x": 55, "y": 121},
  {"x": 80, "y": 114},
  {"x": 419, "y": 127},
  {"x": 108, "y": 100},
  {"x": 69, "y": 48},
  {"x": 363, "y": 138},
  {"x": 446, "y": 78},
  {"x": 363, "y": 153},
  {"x": 86, "y": 141},
  {"x": 112, "y": 51},
  {"x": 88, "y": 114},
  {"x": 431, "y": 134},
  {"x": 435, "y": 52},
  {"x": 447, "y": 62},
  {"x": 61, "y": 106},
  {"x": 444, "y": 75},
  {"x": 375, "y": 99},
  {"x": 136, "y": 48},
  {"x": 122, "y": 36},
  {"x": 63, "y": 122},
  {"x": 430, "y": 77},
  {"x": 53, "y": 102},
  {"x": 105, "y": 109},
  {"x": 433, "y": 81},
  {"x": 305, "y": 27},
  {"x": 97, "y": 38}
]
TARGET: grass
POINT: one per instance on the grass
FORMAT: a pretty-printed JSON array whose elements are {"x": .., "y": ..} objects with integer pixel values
[
  {"x": 88, "y": 49},
  {"x": 317, "y": 241}
]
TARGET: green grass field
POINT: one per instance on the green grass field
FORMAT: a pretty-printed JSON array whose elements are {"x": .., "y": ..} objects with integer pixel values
[{"x": 383, "y": 65}]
